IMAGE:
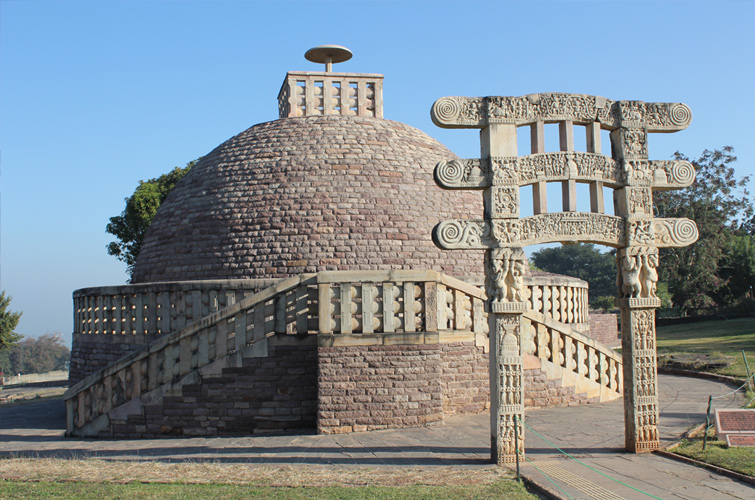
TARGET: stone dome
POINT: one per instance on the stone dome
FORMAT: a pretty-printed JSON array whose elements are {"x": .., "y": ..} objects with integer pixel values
[{"x": 309, "y": 194}]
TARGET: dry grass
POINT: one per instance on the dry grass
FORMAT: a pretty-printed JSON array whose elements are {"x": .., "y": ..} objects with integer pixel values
[
  {"x": 16, "y": 397},
  {"x": 98, "y": 471}
]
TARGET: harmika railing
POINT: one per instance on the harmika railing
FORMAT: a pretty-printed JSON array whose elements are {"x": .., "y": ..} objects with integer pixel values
[{"x": 328, "y": 303}]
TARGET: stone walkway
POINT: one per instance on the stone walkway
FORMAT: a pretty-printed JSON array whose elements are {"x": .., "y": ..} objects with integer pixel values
[{"x": 592, "y": 433}]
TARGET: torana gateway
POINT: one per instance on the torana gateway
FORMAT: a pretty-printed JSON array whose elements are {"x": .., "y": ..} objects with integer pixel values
[
  {"x": 290, "y": 281},
  {"x": 633, "y": 230}
]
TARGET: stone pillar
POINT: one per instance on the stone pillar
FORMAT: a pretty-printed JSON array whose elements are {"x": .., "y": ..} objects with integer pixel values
[
  {"x": 505, "y": 269},
  {"x": 637, "y": 263},
  {"x": 506, "y": 299}
]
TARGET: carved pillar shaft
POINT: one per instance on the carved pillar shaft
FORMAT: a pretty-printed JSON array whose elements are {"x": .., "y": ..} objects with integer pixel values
[
  {"x": 506, "y": 302},
  {"x": 640, "y": 379},
  {"x": 506, "y": 387},
  {"x": 637, "y": 263}
]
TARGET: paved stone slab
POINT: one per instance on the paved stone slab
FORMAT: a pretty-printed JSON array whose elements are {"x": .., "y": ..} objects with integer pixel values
[{"x": 591, "y": 433}]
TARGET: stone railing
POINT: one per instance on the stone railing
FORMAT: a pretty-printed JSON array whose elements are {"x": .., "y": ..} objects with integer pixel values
[
  {"x": 153, "y": 309},
  {"x": 234, "y": 332},
  {"x": 572, "y": 351},
  {"x": 383, "y": 307},
  {"x": 346, "y": 94},
  {"x": 397, "y": 302},
  {"x": 562, "y": 299}
]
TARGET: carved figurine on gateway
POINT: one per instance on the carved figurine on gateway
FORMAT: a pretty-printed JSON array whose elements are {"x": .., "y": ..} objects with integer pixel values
[{"x": 633, "y": 231}]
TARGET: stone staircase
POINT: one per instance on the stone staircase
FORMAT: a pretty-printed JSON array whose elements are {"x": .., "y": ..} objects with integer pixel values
[{"x": 340, "y": 351}]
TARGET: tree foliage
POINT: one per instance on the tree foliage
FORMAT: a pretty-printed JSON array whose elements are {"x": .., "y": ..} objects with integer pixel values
[
  {"x": 582, "y": 261},
  {"x": 720, "y": 205},
  {"x": 8, "y": 323},
  {"x": 738, "y": 267},
  {"x": 131, "y": 225},
  {"x": 37, "y": 355}
]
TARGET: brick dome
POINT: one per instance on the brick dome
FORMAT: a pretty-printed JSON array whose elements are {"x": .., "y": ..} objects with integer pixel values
[{"x": 308, "y": 194}]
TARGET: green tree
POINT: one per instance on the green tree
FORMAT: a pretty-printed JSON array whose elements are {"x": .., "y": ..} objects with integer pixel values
[
  {"x": 39, "y": 355},
  {"x": 141, "y": 207},
  {"x": 582, "y": 261},
  {"x": 738, "y": 267},
  {"x": 720, "y": 205},
  {"x": 8, "y": 323}
]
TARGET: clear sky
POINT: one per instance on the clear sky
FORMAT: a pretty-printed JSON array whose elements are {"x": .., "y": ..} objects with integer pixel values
[{"x": 95, "y": 96}]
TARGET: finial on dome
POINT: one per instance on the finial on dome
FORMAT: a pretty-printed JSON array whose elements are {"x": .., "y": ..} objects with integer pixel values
[
  {"x": 328, "y": 54},
  {"x": 315, "y": 93}
]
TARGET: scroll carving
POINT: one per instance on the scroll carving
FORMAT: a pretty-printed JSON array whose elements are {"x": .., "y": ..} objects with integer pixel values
[
  {"x": 477, "y": 112},
  {"x": 674, "y": 232},
  {"x": 565, "y": 227},
  {"x": 524, "y": 170},
  {"x": 463, "y": 174},
  {"x": 455, "y": 234}
]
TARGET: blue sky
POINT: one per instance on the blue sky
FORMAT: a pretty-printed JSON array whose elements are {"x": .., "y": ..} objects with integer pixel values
[{"x": 95, "y": 96}]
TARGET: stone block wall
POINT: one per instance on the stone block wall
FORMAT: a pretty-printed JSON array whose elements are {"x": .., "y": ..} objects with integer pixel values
[
  {"x": 378, "y": 387},
  {"x": 276, "y": 393},
  {"x": 604, "y": 328},
  {"x": 542, "y": 392},
  {"x": 302, "y": 386},
  {"x": 91, "y": 353},
  {"x": 464, "y": 379}
]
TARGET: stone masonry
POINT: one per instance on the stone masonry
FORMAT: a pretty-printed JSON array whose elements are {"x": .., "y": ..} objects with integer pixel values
[
  {"x": 265, "y": 394},
  {"x": 307, "y": 194}
]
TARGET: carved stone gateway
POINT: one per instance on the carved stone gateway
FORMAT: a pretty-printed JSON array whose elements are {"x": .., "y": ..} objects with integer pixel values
[{"x": 502, "y": 234}]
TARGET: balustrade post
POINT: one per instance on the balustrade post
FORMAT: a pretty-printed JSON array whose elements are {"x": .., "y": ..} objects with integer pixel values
[
  {"x": 323, "y": 308},
  {"x": 431, "y": 306}
]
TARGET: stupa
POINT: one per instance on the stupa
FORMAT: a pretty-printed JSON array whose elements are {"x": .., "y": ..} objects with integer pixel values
[{"x": 290, "y": 281}]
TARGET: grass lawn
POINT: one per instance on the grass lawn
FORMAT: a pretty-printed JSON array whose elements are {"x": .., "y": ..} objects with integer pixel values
[
  {"x": 97, "y": 491},
  {"x": 696, "y": 344},
  {"x": 95, "y": 479},
  {"x": 739, "y": 459},
  {"x": 721, "y": 339}
]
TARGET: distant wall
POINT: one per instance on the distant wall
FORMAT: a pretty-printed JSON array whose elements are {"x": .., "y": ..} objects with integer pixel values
[{"x": 604, "y": 328}]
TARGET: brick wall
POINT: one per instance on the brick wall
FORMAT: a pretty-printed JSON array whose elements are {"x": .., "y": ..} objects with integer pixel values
[
  {"x": 378, "y": 387},
  {"x": 90, "y": 353},
  {"x": 604, "y": 329},
  {"x": 464, "y": 379},
  {"x": 265, "y": 394},
  {"x": 335, "y": 390},
  {"x": 543, "y": 393},
  {"x": 466, "y": 386}
]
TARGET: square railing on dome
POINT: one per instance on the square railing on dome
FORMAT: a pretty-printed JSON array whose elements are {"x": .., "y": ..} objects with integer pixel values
[{"x": 316, "y": 94}]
